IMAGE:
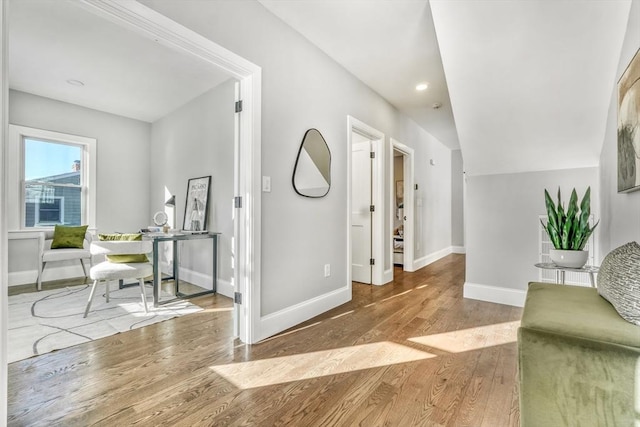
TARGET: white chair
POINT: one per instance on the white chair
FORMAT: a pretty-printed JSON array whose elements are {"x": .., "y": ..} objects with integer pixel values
[
  {"x": 108, "y": 271},
  {"x": 62, "y": 254}
]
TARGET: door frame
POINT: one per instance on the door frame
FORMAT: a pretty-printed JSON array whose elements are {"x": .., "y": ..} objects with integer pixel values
[
  {"x": 409, "y": 184},
  {"x": 149, "y": 23},
  {"x": 377, "y": 185},
  {"x": 246, "y": 243}
]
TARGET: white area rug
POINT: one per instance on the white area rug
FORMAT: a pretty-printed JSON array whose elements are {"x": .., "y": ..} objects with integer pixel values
[{"x": 40, "y": 322}]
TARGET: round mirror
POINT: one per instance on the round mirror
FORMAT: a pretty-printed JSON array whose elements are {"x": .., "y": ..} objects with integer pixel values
[
  {"x": 160, "y": 218},
  {"x": 312, "y": 172}
]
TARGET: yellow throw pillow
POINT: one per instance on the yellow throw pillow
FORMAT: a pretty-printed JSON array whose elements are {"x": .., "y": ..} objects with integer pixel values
[
  {"x": 121, "y": 236},
  {"x": 125, "y": 258},
  {"x": 130, "y": 258},
  {"x": 68, "y": 237}
]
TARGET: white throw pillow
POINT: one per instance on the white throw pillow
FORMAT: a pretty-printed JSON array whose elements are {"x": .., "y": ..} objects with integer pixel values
[{"x": 619, "y": 281}]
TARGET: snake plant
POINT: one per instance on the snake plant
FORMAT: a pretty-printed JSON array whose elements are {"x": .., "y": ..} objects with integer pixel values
[{"x": 569, "y": 230}]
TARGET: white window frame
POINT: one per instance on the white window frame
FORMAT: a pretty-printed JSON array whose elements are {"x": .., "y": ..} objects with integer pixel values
[{"x": 15, "y": 173}]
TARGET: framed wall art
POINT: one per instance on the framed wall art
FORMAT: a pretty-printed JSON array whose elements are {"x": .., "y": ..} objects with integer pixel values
[
  {"x": 629, "y": 127},
  {"x": 196, "y": 207}
]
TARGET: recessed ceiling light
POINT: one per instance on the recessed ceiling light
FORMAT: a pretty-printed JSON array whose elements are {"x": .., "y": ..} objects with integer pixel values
[
  {"x": 422, "y": 86},
  {"x": 75, "y": 82}
]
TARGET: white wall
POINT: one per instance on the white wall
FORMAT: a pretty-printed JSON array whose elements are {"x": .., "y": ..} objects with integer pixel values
[
  {"x": 198, "y": 140},
  {"x": 123, "y": 154},
  {"x": 620, "y": 213},
  {"x": 457, "y": 200},
  {"x": 122, "y": 162},
  {"x": 302, "y": 89},
  {"x": 502, "y": 228}
]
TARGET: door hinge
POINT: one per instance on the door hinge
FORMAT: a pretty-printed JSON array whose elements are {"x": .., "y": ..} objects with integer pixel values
[
  {"x": 238, "y": 202},
  {"x": 372, "y": 154},
  {"x": 372, "y": 208},
  {"x": 372, "y": 261},
  {"x": 237, "y": 297},
  {"x": 238, "y": 106}
]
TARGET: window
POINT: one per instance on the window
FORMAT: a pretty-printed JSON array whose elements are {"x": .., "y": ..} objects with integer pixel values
[{"x": 52, "y": 175}]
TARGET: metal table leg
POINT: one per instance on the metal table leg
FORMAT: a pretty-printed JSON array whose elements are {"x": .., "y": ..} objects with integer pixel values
[{"x": 156, "y": 274}]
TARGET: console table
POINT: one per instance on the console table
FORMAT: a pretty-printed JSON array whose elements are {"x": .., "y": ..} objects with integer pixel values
[
  {"x": 158, "y": 238},
  {"x": 560, "y": 271}
]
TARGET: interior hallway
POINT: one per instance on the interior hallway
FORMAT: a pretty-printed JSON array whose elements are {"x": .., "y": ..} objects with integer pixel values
[{"x": 410, "y": 353}]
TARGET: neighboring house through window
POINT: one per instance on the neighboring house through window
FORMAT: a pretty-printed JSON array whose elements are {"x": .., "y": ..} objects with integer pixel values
[{"x": 52, "y": 175}]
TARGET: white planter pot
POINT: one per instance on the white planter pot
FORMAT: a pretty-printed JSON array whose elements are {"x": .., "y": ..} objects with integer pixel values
[{"x": 566, "y": 258}]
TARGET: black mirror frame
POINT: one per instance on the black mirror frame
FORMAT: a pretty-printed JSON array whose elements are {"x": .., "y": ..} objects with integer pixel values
[{"x": 295, "y": 168}]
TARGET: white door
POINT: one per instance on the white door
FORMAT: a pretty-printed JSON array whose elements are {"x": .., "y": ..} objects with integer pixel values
[{"x": 361, "y": 216}]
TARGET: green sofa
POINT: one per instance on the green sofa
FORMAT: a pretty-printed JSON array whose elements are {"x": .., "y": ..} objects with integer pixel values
[{"x": 579, "y": 361}]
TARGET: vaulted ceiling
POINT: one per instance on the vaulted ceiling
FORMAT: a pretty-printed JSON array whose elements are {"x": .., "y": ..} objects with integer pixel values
[
  {"x": 521, "y": 85},
  {"x": 525, "y": 85}
]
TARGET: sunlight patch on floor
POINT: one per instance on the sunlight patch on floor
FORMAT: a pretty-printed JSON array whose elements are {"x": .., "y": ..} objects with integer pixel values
[
  {"x": 290, "y": 332},
  {"x": 473, "y": 338},
  {"x": 343, "y": 314},
  {"x": 396, "y": 295},
  {"x": 216, "y": 310},
  {"x": 260, "y": 373}
]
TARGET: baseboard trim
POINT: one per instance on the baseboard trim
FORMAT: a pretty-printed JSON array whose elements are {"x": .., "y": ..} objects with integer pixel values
[
  {"x": 22, "y": 277},
  {"x": 458, "y": 250},
  {"x": 431, "y": 258},
  {"x": 279, "y": 321},
  {"x": 496, "y": 294},
  {"x": 204, "y": 281},
  {"x": 50, "y": 273}
]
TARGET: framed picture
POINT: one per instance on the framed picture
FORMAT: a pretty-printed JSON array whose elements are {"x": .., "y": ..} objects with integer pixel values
[
  {"x": 196, "y": 208},
  {"x": 629, "y": 127}
]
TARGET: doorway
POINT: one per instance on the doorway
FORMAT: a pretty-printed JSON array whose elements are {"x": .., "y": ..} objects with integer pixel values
[
  {"x": 401, "y": 209},
  {"x": 149, "y": 23},
  {"x": 366, "y": 207},
  {"x": 361, "y": 211}
]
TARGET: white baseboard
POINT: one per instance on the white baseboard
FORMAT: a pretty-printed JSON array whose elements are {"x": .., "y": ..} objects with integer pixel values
[
  {"x": 458, "y": 250},
  {"x": 204, "y": 281},
  {"x": 274, "y": 323},
  {"x": 72, "y": 271},
  {"x": 428, "y": 259},
  {"x": 50, "y": 272},
  {"x": 506, "y": 296},
  {"x": 22, "y": 277},
  {"x": 387, "y": 276}
]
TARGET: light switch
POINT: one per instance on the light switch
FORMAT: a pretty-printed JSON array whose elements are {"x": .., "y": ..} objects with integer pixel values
[{"x": 266, "y": 184}]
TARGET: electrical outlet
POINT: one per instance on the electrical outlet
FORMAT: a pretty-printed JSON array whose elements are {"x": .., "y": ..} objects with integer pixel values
[{"x": 327, "y": 270}]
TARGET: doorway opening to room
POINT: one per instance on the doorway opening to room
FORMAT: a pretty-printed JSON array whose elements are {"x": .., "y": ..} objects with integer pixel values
[
  {"x": 401, "y": 219},
  {"x": 241, "y": 206}
]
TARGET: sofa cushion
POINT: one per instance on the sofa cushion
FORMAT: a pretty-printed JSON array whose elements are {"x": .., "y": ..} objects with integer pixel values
[
  {"x": 576, "y": 311},
  {"x": 68, "y": 237},
  {"x": 619, "y": 281}
]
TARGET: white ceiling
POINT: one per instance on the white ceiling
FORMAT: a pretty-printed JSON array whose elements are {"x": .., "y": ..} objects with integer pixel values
[
  {"x": 123, "y": 73},
  {"x": 389, "y": 45},
  {"x": 530, "y": 82}
]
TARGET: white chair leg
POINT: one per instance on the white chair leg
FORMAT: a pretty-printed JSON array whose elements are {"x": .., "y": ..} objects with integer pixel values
[
  {"x": 107, "y": 291},
  {"x": 40, "y": 270},
  {"x": 144, "y": 297},
  {"x": 84, "y": 268},
  {"x": 93, "y": 291}
]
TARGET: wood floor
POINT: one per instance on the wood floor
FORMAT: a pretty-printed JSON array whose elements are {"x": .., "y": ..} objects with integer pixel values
[{"x": 410, "y": 353}]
